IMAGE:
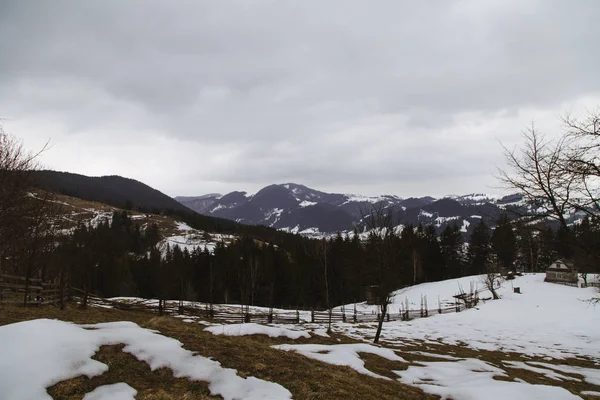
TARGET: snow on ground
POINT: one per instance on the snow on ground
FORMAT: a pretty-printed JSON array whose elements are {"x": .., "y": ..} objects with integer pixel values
[
  {"x": 589, "y": 375},
  {"x": 548, "y": 373},
  {"x": 443, "y": 290},
  {"x": 472, "y": 379},
  {"x": 256, "y": 329},
  {"x": 546, "y": 319},
  {"x": 40, "y": 353},
  {"x": 228, "y": 308},
  {"x": 342, "y": 354},
  {"x": 117, "y": 391}
]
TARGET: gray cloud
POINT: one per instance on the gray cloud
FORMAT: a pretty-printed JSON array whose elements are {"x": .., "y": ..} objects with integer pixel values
[{"x": 393, "y": 96}]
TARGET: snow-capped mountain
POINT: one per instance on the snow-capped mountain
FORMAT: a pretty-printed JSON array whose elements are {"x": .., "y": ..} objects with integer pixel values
[{"x": 297, "y": 208}]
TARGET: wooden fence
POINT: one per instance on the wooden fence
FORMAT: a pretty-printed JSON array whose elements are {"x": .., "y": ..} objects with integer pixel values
[
  {"x": 19, "y": 290},
  {"x": 245, "y": 314}
]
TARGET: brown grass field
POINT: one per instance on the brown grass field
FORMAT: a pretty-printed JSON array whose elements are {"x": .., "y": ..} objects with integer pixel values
[{"x": 252, "y": 356}]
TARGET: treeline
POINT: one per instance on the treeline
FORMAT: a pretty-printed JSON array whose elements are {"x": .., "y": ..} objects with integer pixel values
[{"x": 118, "y": 258}]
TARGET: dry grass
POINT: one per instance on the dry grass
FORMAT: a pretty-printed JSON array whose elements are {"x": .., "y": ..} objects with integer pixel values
[
  {"x": 496, "y": 358},
  {"x": 250, "y": 356},
  {"x": 253, "y": 356},
  {"x": 123, "y": 367}
]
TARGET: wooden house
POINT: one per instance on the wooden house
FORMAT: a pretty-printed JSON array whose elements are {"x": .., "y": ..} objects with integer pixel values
[{"x": 562, "y": 271}]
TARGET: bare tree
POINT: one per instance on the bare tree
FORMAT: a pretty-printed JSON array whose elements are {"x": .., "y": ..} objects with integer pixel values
[
  {"x": 492, "y": 278},
  {"x": 537, "y": 171},
  {"x": 27, "y": 215},
  {"x": 583, "y": 160},
  {"x": 563, "y": 176},
  {"x": 383, "y": 253},
  {"x": 559, "y": 176}
]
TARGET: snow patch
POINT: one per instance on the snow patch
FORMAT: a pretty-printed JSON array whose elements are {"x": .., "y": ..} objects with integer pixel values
[
  {"x": 473, "y": 379},
  {"x": 117, "y": 391},
  {"x": 343, "y": 354},
  {"x": 255, "y": 329},
  {"x": 40, "y": 353},
  {"x": 307, "y": 203}
]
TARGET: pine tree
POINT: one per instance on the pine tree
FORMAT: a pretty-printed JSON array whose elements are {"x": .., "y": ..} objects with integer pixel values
[
  {"x": 479, "y": 249},
  {"x": 451, "y": 245},
  {"x": 504, "y": 243}
]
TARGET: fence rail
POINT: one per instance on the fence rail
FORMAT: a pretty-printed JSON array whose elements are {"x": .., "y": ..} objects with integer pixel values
[
  {"x": 242, "y": 314},
  {"x": 20, "y": 290},
  {"x": 33, "y": 291}
]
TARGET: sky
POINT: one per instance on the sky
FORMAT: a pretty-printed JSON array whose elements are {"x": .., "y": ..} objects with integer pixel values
[{"x": 193, "y": 97}]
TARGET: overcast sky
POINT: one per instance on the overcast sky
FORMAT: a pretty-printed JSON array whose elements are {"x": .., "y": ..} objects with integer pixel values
[{"x": 396, "y": 97}]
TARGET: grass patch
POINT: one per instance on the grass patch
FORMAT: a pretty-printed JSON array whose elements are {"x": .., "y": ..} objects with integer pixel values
[
  {"x": 496, "y": 357},
  {"x": 250, "y": 355},
  {"x": 123, "y": 367}
]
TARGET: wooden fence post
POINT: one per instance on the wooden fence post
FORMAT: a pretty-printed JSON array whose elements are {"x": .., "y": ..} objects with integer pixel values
[{"x": 312, "y": 316}]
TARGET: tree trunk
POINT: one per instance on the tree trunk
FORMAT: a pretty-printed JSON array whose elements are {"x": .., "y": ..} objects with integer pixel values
[{"x": 380, "y": 324}]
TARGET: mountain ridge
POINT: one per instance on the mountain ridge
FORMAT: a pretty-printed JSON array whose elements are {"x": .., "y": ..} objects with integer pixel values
[{"x": 299, "y": 209}]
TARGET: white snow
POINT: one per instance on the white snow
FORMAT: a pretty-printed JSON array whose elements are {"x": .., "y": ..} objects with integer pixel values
[
  {"x": 546, "y": 319},
  {"x": 342, "y": 354},
  {"x": 321, "y": 332},
  {"x": 39, "y": 353},
  {"x": 472, "y": 379},
  {"x": 361, "y": 199},
  {"x": 256, "y": 329},
  {"x": 117, "y": 391},
  {"x": 543, "y": 371},
  {"x": 307, "y": 203},
  {"x": 465, "y": 226},
  {"x": 441, "y": 220},
  {"x": 434, "y": 355},
  {"x": 589, "y": 375},
  {"x": 182, "y": 226}
]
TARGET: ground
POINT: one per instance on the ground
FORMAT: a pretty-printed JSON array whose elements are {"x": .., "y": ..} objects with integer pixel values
[{"x": 506, "y": 348}]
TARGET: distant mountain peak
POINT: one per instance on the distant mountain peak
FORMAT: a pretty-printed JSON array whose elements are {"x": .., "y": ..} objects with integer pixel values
[{"x": 295, "y": 207}]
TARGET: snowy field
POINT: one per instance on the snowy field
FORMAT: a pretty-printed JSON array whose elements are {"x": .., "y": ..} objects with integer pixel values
[
  {"x": 545, "y": 319},
  {"x": 549, "y": 330}
]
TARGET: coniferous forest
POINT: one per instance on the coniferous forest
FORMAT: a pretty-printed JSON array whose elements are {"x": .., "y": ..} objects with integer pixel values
[{"x": 117, "y": 258}]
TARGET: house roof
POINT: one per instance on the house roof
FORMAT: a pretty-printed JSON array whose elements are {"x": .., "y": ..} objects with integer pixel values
[{"x": 562, "y": 265}]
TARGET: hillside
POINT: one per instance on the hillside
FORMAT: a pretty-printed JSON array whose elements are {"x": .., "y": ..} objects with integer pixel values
[
  {"x": 73, "y": 211},
  {"x": 545, "y": 319},
  {"x": 113, "y": 190},
  {"x": 129, "y": 194}
]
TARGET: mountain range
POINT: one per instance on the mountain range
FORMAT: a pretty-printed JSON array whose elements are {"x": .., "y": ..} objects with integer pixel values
[
  {"x": 296, "y": 208},
  {"x": 288, "y": 207}
]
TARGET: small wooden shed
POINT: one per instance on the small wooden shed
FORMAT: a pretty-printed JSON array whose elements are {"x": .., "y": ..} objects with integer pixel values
[{"x": 562, "y": 271}]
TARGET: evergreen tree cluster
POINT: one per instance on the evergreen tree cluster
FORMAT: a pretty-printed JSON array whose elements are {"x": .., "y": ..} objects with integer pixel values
[{"x": 118, "y": 258}]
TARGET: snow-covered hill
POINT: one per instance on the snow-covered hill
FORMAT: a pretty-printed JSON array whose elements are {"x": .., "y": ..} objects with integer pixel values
[
  {"x": 545, "y": 319},
  {"x": 74, "y": 211}
]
